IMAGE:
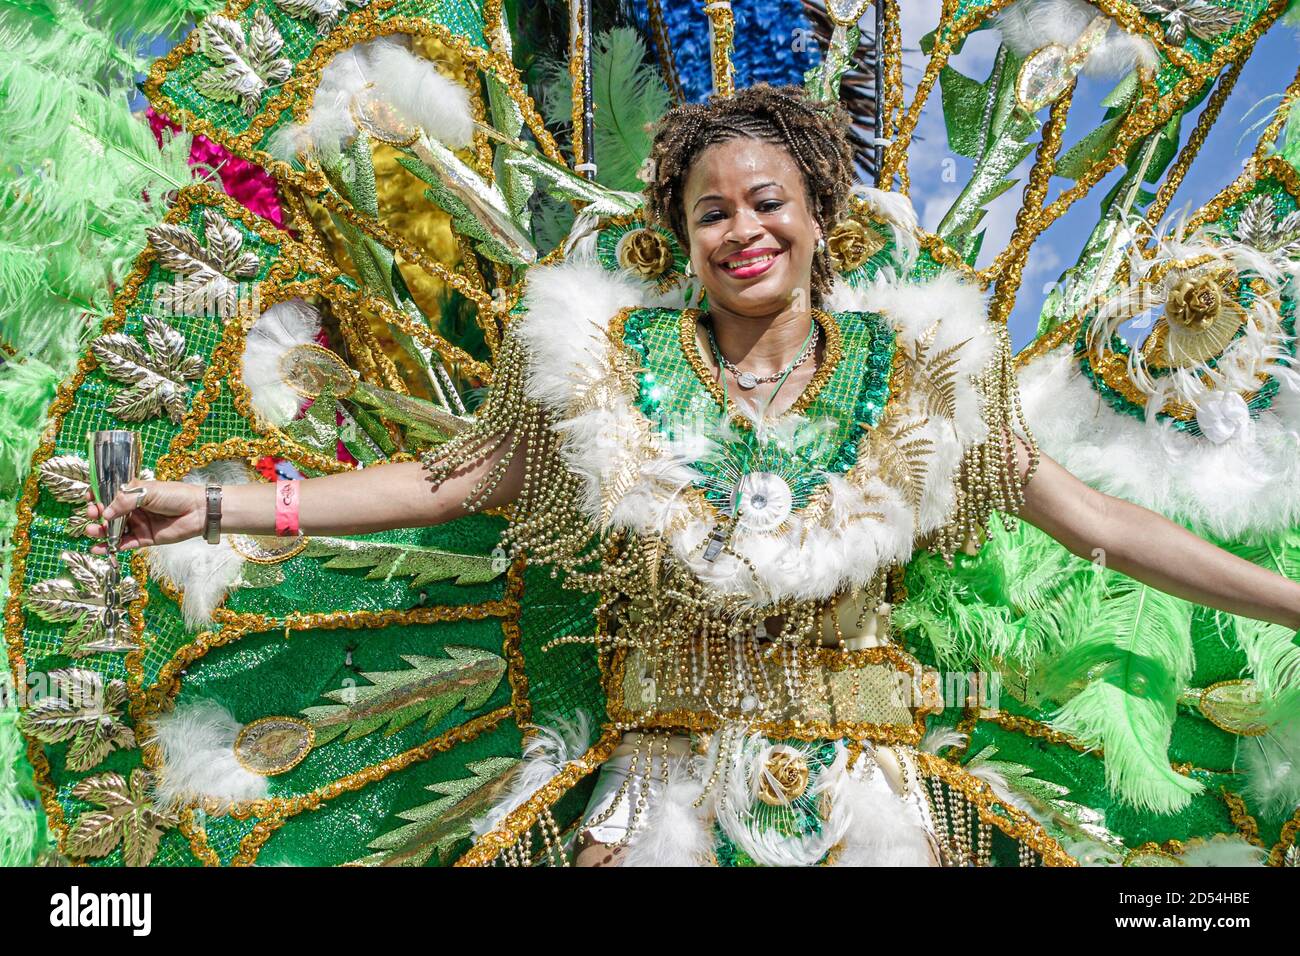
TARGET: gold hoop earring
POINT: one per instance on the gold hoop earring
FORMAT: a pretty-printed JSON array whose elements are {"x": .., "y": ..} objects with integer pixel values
[
  {"x": 821, "y": 244},
  {"x": 689, "y": 271}
]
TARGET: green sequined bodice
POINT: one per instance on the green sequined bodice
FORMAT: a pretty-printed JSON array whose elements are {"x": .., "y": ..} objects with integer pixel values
[{"x": 819, "y": 434}]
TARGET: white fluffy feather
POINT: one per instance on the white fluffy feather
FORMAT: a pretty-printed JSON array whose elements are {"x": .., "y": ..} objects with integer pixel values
[
  {"x": 546, "y": 751},
  {"x": 197, "y": 740},
  {"x": 883, "y": 829},
  {"x": 275, "y": 332},
  {"x": 1242, "y": 489},
  {"x": 204, "y": 572},
  {"x": 897, "y": 211},
  {"x": 673, "y": 832},
  {"x": 1224, "y": 850},
  {"x": 385, "y": 70},
  {"x": 938, "y": 737},
  {"x": 1028, "y": 25}
]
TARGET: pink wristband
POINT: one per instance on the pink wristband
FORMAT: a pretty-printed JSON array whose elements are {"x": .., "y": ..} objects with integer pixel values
[{"x": 286, "y": 508}]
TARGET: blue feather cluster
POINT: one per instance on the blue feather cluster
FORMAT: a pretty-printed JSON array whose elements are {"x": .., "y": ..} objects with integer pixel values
[{"x": 774, "y": 43}]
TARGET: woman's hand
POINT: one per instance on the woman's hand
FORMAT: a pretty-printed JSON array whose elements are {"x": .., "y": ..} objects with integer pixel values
[{"x": 167, "y": 512}]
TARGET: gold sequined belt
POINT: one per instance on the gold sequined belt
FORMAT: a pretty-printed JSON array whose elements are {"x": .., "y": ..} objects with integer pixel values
[{"x": 875, "y": 693}]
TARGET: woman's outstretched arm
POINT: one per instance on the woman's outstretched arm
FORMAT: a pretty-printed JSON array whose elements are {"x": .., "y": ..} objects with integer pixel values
[
  {"x": 1150, "y": 548},
  {"x": 392, "y": 495}
]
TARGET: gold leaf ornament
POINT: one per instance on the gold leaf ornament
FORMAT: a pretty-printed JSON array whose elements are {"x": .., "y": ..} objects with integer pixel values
[
  {"x": 128, "y": 817},
  {"x": 208, "y": 273},
  {"x": 645, "y": 252},
  {"x": 851, "y": 243},
  {"x": 246, "y": 64},
  {"x": 94, "y": 598},
  {"x": 83, "y": 709},
  {"x": 158, "y": 379}
]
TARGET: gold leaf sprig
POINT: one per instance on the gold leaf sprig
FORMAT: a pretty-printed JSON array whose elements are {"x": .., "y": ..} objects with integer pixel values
[
  {"x": 158, "y": 379},
  {"x": 83, "y": 709}
]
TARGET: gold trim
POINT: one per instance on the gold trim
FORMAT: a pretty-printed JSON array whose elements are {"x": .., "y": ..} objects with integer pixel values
[
  {"x": 489, "y": 846},
  {"x": 1286, "y": 840},
  {"x": 686, "y": 328},
  {"x": 1015, "y": 823}
]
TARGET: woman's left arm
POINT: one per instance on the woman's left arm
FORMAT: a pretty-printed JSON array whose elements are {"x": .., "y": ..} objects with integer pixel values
[{"x": 1150, "y": 548}]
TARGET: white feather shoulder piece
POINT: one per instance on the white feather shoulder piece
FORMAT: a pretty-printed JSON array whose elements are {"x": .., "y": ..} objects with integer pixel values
[{"x": 639, "y": 480}]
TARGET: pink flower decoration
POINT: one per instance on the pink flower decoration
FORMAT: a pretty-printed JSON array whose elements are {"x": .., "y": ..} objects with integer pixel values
[{"x": 245, "y": 182}]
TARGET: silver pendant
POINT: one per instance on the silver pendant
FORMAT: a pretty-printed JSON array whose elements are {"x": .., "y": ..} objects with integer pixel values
[{"x": 747, "y": 380}]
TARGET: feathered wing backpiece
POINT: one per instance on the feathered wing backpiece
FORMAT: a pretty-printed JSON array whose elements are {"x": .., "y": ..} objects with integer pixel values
[{"x": 319, "y": 272}]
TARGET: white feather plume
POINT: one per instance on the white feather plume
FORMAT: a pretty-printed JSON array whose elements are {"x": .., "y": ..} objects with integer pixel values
[
  {"x": 277, "y": 330},
  {"x": 546, "y": 751},
  {"x": 1223, "y": 850},
  {"x": 1029, "y": 25},
  {"x": 197, "y": 741},
  {"x": 883, "y": 828},
  {"x": 383, "y": 70},
  {"x": 673, "y": 831},
  {"x": 896, "y": 210},
  {"x": 939, "y": 737},
  {"x": 204, "y": 572}
]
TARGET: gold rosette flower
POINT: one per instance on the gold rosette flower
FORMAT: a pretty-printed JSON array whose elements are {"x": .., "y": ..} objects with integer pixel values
[
  {"x": 645, "y": 252},
  {"x": 1194, "y": 304},
  {"x": 851, "y": 243},
  {"x": 1200, "y": 320},
  {"x": 784, "y": 777}
]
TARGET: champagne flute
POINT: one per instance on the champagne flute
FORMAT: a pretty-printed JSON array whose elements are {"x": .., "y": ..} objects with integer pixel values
[{"x": 114, "y": 464}]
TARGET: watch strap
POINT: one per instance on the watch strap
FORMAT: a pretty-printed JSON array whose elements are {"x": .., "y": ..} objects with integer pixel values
[{"x": 212, "y": 525}]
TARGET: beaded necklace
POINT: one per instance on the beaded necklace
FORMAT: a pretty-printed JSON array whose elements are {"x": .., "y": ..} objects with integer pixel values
[{"x": 719, "y": 535}]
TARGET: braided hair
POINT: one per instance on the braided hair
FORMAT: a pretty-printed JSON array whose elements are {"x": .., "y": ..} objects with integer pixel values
[{"x": 814, "y": 133}]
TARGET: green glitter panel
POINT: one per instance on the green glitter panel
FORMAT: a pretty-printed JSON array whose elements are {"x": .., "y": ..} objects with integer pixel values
[
  {"x": 672, "y": 396},
  {"x": 265, "y": 674}
]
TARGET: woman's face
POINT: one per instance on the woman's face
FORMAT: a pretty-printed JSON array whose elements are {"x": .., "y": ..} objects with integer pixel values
[{"x": 751, "y": 230}]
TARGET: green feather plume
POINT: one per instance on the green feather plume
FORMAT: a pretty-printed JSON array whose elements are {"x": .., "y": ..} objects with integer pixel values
[{"x": 628, "y": 94}]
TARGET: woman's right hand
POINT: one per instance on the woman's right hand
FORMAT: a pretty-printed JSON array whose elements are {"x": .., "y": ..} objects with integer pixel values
[{"x": 167, "y": 512}]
